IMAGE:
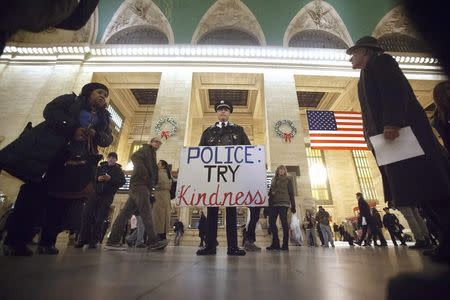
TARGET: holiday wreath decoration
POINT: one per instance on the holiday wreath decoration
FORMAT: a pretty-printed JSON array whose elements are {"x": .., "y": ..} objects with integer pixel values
[
  {"x": 286, "y": 135},
  {"x": 165, "y": 131}
]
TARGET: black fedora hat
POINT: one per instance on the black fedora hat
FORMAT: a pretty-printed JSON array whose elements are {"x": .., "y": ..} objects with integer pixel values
[
  {"x": 365, "y": 42},
  {"x": 223, "y": 103}
]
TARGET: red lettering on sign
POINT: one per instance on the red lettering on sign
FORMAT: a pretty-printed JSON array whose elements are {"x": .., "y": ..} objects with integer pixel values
[{"x": 189, "y": 197}]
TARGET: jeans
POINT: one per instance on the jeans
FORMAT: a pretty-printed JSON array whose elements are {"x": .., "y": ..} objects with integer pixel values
[
  {"x": 327, "y": 234},
  {"x": 396, "y": 234},
  {"x": 178, "y": 236},
  {"x": 254, "y": 218},
  {"x": 281, "y": 211},
  {"x": 139, "y": 199},
  {"x": 415, "y": 222},
  {"x": 136, "y": 238},
  {"x": 94, "y": 215},
  {"x": 311, "y": 237}
]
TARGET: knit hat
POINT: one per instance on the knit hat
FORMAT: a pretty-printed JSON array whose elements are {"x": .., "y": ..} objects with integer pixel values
[{"x": 88, "y": 88}]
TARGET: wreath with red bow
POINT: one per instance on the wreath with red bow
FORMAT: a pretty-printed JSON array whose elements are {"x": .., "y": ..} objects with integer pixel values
[
  {"x": 286, "y": 135},
  {"x": 166, "y": 131}
]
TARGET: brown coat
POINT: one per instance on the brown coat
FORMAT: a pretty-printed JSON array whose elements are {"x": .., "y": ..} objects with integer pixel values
[{"x": 161, "y": 206}]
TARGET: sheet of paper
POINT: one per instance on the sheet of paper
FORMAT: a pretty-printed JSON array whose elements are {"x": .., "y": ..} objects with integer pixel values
[{"x": 404, "y": 147}]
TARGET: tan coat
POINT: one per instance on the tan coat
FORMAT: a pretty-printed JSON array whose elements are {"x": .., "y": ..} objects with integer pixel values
[{"x": 161, "y": 207}]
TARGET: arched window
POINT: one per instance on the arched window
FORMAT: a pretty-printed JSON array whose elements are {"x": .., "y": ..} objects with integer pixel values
[
  {"x": 138, "y": 35},
  {"x": 317, "y": 39},
  {"x": 397, "y": 42},
  {"x": 228, "y": 37}
]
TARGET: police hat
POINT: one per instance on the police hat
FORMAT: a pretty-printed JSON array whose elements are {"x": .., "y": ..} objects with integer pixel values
[{"x": 223, "y": 103}]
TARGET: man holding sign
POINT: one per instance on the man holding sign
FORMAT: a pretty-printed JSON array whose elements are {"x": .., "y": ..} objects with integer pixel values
[{"x": 223, "y": 133}]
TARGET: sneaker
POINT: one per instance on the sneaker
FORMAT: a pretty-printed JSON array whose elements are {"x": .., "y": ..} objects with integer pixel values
[
  {"x": 47, "y": 250},
  {"x": 141, "y": 246},
  {"x": 115, "y": 247},
  {"x": 16, "y": 251},
  {"x": 92, "y": 246},
  {"x": 251, "y": 247},
  {"x": 158, "y": 245}
]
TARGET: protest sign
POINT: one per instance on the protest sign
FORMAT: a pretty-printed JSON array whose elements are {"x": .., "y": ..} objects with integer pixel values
[{"x": 231, "y": 175}]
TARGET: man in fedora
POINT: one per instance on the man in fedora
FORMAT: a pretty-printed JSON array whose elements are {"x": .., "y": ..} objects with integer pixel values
[
  {"x": 388, "y": 104},
  {"x": 223, "y": 133}
]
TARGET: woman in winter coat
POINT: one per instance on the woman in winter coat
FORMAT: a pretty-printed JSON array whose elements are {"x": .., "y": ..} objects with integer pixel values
[
  {"x": 441, "y": 117},
  {"x": 161, "y": 206},
  {"x": 44, "y": 156},
  {"x": 282, "y": 197}
]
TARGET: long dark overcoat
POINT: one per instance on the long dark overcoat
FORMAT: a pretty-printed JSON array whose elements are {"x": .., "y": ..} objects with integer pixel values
[{"x": 387, "y": 99}]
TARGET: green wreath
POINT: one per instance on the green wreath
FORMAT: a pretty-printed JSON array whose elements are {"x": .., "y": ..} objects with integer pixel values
[
  {"x": 287, "y": 136},
  {"x": 163, "y": 132}
]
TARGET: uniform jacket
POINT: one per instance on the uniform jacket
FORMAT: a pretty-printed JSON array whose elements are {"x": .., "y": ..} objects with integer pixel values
[
  {"x": 387, "y": 99},
  {"x": 29, "y": 156},
  {"x": 230, "y": 135}
]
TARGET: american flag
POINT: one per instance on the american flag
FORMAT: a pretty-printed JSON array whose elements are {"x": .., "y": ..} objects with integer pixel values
[{"x": 332, "y": 130}]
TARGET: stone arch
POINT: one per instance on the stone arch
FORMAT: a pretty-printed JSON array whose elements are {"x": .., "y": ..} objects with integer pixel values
[
  {"x": 87, "y": 34},
  {"x": 395, "y": 21},
  {"x": 140, "y": 34},
  {"x": 229, "y": 15},
  {"x": 317, "y": 15},
  {"x": 137, "y": 13},
  {"x": 396, "y": 33}
]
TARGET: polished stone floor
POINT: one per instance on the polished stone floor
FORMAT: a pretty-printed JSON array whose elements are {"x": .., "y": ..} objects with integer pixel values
[{"x": 303, "y": 273}]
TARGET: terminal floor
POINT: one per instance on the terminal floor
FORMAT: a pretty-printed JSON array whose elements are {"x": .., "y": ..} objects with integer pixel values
[{"x": 303, "y": 273}]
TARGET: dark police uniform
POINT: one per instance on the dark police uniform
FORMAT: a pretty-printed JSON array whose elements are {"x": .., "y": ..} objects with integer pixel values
[{"x": 220, "y": 135}]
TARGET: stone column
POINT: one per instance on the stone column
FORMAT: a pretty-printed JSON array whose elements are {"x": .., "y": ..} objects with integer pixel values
[
  {"x": 281, "y": 103},
  {"x": 173, "y": 100}
]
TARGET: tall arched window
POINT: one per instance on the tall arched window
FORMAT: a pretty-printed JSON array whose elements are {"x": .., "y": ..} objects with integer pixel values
[
  {"x": 397, "y": 42},
  {"x": 228, "y": 37},
  {"x": 138, "y": 35},
  {"x": 317, "y": 39}
]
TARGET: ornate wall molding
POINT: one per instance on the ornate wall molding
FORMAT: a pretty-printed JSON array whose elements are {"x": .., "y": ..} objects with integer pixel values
[
  {"x": 138, "y": 12},
  {"x": 232, "y": 14},
  {"x": 395, "y": 21},
  {"x": 317, "y": 15},
  {"x": 87, "y": 34}
]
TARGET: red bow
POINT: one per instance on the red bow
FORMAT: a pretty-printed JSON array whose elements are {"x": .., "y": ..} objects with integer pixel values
[
  {"x": 287, "y": 137},
  {"x": 165, "y": 134}
]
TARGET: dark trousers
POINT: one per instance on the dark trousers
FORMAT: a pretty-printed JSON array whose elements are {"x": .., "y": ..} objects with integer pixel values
[
  {"x": 281, "y": 211},
  {"x": 231, "y": 219},
  {"x": 57, "y": 213},
  {"x": 254, "y": 218},
  {"x": 396, "y": 234},
  {"x": 203, "y": 238},
  {"x": 94, "y": 216},
  {"x": 27, "y": 214},
  {"x": 376, "y": 233}
]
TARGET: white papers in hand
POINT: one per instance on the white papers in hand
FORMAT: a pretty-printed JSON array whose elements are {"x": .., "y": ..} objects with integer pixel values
[{"x": 404, "y": 147}]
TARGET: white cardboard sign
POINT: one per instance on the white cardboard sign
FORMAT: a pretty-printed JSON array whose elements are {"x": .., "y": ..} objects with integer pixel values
[{"x": 231, "y": 175}]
